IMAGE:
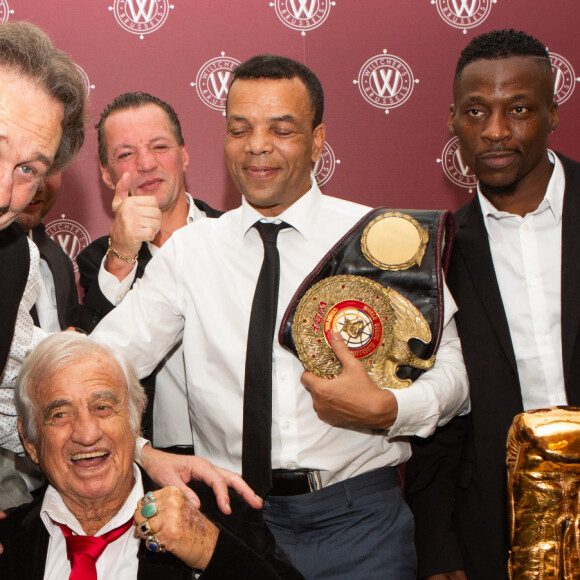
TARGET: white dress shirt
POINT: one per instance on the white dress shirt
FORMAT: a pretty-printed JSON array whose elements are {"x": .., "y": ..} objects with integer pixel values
[
  {"x": 200, "y": 288},
  {"x": 170, "y": 415},
  {"x": 118, "y": 561},
  {"x": 527, "y": 257},
  {"x": 46, "y": 307},
  {"x": 26, "y": 337}
]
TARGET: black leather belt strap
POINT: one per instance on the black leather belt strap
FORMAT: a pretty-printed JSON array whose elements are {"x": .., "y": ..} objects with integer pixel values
[{"x": 295, "y": 481}]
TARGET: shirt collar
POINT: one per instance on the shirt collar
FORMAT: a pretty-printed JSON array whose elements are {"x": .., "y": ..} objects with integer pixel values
[
  {"x": 194, "y": 213},
  {"x": 54, "y": 510},
  {"x": 553, "y": 199},
  {"x": 301, "y": 215}
]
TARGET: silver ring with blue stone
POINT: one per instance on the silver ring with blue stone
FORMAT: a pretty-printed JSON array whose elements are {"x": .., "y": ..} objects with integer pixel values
[{"x": 154, "y": 545}]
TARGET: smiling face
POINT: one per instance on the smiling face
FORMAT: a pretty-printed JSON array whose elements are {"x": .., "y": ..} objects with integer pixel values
[
  {"x": 270, "y": 145},
  {"x": 140, "y": 141},
  {"x": 30, "y": 133},
  {"x": 502, "y": 114},
  {"x": 85, "y": 444}
]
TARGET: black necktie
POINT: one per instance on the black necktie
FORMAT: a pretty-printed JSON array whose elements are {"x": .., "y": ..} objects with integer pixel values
[{"x": 257, "y": 428}]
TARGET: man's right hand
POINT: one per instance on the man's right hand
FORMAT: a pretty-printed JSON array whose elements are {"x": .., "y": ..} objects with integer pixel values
[
  {"x": 137, "y": 219},
  {"x": 455, "y": 575}
]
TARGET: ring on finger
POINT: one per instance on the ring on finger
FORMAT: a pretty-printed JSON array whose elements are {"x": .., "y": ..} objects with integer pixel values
[
  {"x": 145, "y": 529},
  {"x": 154, "y": 545},
  {"x": 148, "y": 498},
  {"x": 149, "y": 510}
]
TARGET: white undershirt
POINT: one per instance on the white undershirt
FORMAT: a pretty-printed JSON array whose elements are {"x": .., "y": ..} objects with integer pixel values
[{"x": 526, "y": 254}]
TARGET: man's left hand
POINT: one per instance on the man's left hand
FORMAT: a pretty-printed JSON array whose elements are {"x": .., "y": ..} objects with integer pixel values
[
  {"x": 352, "y": 399},
  {"x": 178, "y": 470}
]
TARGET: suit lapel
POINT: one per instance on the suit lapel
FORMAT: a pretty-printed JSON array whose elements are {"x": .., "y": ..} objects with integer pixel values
[
  {"x": 471, "y": 240},
  {"x": 57, "y": 262},
  {"x": 570, "y": 263},
  {"x": 143, "y": 259},
  {"x": 31, "y": 562}
]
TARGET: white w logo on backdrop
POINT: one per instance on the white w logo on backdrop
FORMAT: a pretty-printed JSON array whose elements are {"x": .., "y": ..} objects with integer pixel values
[
  {"x": 302, "y": 15},
  {"x": 303, "y": 9},
  {"x": 140, "y": 14},
  {"x": 220, "y": 91},
  {"x": 386, "y": 75},
  {"x": 463, "y": 14},
  {"x": 462, "y": 6},
  {"x": 385, "y": 81}
]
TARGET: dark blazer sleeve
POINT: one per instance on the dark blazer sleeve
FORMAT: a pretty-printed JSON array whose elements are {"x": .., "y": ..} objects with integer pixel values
[
  {"x": 61, "y": 267},
  {"x": 431, "y": 478},
  {"x": 95, "y": 305},
  {"x": 245, "y": 549}
]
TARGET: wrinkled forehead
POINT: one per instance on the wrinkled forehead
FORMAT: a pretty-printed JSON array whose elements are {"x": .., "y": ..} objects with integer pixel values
[{"x": 80, "y": 381}]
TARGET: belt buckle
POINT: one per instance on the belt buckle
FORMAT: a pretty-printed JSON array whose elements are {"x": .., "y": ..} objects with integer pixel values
[{"x": 314, "y": 480}]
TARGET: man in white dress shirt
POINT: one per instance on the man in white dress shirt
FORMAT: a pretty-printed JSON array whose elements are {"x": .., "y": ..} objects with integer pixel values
[
  {"x": 514, "y": 274},
  {"x": 347, "y": 519}
]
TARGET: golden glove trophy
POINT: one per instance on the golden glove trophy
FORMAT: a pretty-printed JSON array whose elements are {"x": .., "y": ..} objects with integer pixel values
[{"x": 543, "y": 490}]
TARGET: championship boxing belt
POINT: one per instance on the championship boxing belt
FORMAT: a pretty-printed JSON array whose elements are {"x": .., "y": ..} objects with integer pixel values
[
  {"x": 381, "y": 288},
  {"x": 543, "y": 490}
]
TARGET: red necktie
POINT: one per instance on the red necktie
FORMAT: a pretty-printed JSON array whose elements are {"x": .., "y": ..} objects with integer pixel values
[{"x": 84, "y": 551}]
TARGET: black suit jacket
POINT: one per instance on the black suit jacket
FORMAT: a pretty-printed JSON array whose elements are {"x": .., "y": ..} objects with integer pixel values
[
  {"x": 14, "y": 266},
  {"x": 456, "y": 480},
  {"x": 245, "y": 549},
  {"x": 67, "y": 299},
  {"x": 96, "y": 306}
]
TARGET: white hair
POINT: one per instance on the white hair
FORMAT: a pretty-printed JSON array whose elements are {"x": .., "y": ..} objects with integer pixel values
[{"x": 56, "y": 353}]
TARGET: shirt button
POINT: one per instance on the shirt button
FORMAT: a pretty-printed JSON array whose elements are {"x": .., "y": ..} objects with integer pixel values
[
  {"x": 286, "y": 425},
  {"x": 291, "y": 465}
]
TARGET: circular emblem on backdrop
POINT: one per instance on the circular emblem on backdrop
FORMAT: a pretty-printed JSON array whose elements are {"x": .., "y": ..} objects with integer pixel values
[
  {"x": 71, "y": 236},
  {"x": 85, "y": 76},
  {"x": 564, "y": 78},
  {"x": 324, "y": 167},
  {"x": 385, "y": 81},
  {"x": 5, "y": 11},
  {"x": 463, "y": 14},
  {"x": 141, "y": 16},
  {"x": 375, "y": 322},
  {"x": 394, "y": 241},
  {"x": 213, "y": 80},
  {"x": 302, "y": 15},
  {"x": 455, "y": 168}
]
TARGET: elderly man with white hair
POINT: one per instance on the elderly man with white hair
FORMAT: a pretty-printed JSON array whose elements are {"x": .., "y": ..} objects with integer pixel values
[{"x": 80, "y": 409}]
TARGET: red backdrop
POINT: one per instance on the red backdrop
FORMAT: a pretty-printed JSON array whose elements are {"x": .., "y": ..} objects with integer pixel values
[{"x": 386, "y": 67}]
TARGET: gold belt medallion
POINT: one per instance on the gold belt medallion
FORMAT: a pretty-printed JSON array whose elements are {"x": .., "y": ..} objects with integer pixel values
[{"x": 375, "y": 322}]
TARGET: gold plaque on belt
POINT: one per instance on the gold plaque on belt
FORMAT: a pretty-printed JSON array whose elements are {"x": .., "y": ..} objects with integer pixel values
[
  {"x": 394, "y": 241},
  {"x": 375, "y": 322}
]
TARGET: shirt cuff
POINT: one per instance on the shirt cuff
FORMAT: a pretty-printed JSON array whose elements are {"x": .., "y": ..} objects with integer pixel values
[{"x": 113, "y": 290}]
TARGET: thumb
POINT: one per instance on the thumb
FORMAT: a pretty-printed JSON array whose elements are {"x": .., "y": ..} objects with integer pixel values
[
  {"x": 340, "y": 349},
  {"x": 122, "y": 190}
]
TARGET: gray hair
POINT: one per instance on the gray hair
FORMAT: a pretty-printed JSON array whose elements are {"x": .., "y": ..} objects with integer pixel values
[
  {"x": 26, "y": 49},
  {"x": 54, "y": 354}
]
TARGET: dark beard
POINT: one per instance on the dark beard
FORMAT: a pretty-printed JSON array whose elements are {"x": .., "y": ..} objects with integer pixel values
[{"x": 498, "y": 190}]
